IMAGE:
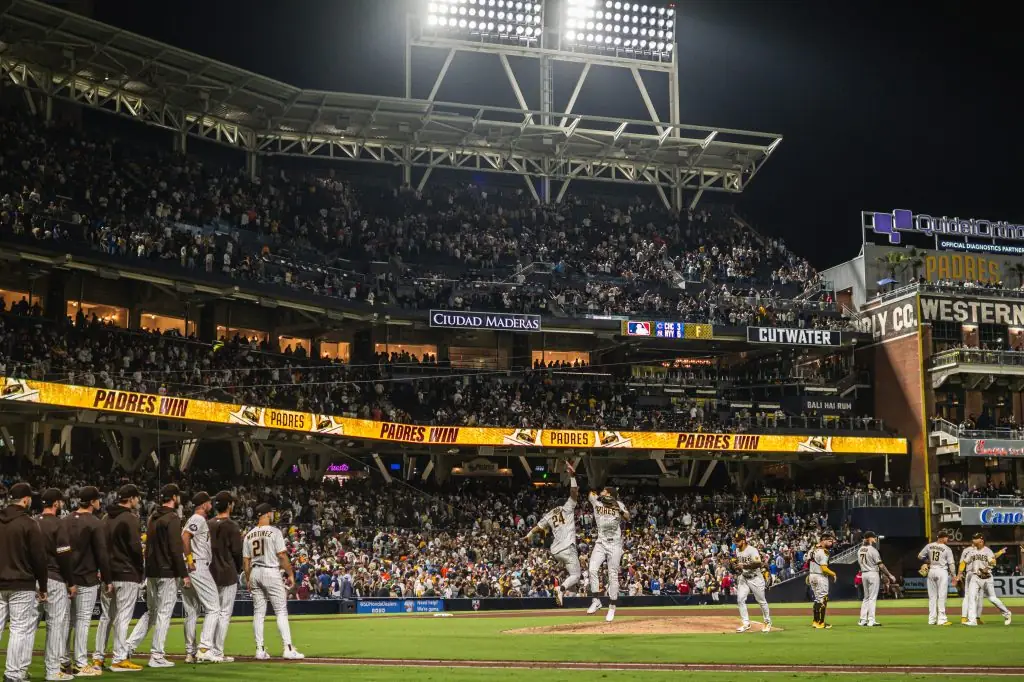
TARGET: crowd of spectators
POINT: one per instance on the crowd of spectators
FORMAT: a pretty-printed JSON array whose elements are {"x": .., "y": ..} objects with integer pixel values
[
  {"x": 89, "y": 352},
  {"x": 444, "y": 246}
]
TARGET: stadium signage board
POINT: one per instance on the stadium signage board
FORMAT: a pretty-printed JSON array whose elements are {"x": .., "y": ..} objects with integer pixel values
[
  {"x": 895, "y": 224},
  {"x": 126, "y": 402},
  {"x": 783, "y": 336},
  {"x": 992, "y": 516},
  {"x": 462, "y": 319},
  {"x": 890, "y": 321},
  {"x": 1009, "y": 586},
  {"x": 996, "y": 448},
  {"x": 825, "y": 404},
  {"x": 965, "y": 311},
  {"x": 399, "y": 606},
  {"x": 667, "y": 330}
]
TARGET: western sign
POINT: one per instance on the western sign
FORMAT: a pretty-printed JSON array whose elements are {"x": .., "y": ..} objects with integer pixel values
[
  {"x": 991, "y": 447},
  {"x": 794, "y": 337},
  {"x": 512, "y": 322},
  {"x": 991, "y": 516},
  {"x": 972, "y": 312}
]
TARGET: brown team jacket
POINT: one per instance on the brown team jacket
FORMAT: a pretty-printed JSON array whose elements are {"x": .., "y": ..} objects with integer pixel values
[
  {"x": 226, "y": 543},
  {"x": 125, "y": 542},
  {"x": 58, "y": 548},
  {"x": 164, "y": 550},
  {"x": 22, "y": 552},
  {"x": 91, "y": 562}
]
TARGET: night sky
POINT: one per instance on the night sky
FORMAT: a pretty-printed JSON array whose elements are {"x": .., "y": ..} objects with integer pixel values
[{"x": 883, "y": 105}]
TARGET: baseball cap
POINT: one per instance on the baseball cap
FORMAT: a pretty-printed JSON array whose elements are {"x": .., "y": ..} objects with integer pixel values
[
  {"x": 224, "y": 497},
  {"x": 264, "y": 508},
  {"x": 128, "y": 491},
  {"x": 88, "y": 494},
  {"x": 870, "y": 534},
  {"x": 739, "y": 535},
  {"x": 978, "y": 536},
  {"x": 169, "y": 491},
  {"x": 201, "y": 497},
  {"x": 20, "y": 490},
  {"x": 942, "y": 534},
  {"x": 51, "y": 495}
]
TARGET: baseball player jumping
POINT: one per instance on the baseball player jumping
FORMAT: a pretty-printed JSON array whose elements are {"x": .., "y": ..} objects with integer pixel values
[
  {"x": 60, "y": 585},
  {"x": 609, "y": 513},
  {"x": 195, "y": 539},
  {"x": 750, "y": 580},
  {"x": 818, "y": 580},
  {"x": 226, "y": 543},
  {"x": 941, "y": 569},
  {"x": 870, "y": 565},
  {"x": 22, "y": 572},
  {"x": 561, "y": 522},
  {"x": 264, "y": 556},
  {"x": 980, "y": 565}
]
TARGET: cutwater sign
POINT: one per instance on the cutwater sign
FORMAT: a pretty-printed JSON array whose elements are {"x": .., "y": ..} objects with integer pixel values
[
  {"x": 992, "y": 516},
  {"x": 794, "y": 337},
  {"x": 461, "y": 319},
  {"x": 400, "y": 606},
  {"x": 901, "y": 220}
]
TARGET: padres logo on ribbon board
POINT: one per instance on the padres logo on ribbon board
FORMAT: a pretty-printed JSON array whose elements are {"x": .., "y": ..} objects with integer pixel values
[{"x": 126, "y": 402}]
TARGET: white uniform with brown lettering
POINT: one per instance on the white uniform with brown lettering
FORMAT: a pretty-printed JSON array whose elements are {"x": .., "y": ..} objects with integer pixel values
[
  {"x": 965, "y": 559},
  {"x": 561, "y": 523},
  {"x": 940, "y": 569},
  {"x": 262, "y": 545},
  {"x": 751, "y": 581},
  {"x": 982, "y": 562},
  {"x": 608, "y": 546}
]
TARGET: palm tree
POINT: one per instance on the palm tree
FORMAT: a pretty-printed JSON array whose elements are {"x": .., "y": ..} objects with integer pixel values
[
  {"x": 892, "y": 262},
  {"x": 1017, "y": 270},
  {"x": 914, "y": 260}
]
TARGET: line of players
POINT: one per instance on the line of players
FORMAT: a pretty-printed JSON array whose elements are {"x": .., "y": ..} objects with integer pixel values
[
  {"x": 975, "y": 569},
  {"x": 61, "y": 566},
  {"x": 609, "y": 514}
]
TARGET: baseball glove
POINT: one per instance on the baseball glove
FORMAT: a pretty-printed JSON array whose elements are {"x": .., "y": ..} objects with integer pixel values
[
  {"x": 984, "y": 573},
  {"x": 923, "y": 571}
]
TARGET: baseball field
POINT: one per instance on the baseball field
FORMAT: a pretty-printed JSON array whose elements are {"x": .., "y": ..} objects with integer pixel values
[{"x": 649, "y": 644}]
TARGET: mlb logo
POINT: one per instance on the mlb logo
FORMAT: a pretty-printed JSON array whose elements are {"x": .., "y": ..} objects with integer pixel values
[{"x": 639, "y": 328}]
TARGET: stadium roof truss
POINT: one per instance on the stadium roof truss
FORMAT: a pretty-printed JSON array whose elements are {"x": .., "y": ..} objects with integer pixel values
[{"x": 64, "y": 56}]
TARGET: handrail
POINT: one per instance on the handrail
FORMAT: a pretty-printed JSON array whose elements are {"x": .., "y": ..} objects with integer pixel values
[
  {"x": 882, "y": 500},
  {"x": 960, "y": 290},
  {"x": 946, "y": 358},
  {"x": 1000, "y": 501}
]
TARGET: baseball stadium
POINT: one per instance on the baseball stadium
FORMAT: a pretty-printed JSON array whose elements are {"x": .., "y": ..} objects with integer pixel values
[{"x": 425, "y": 339}]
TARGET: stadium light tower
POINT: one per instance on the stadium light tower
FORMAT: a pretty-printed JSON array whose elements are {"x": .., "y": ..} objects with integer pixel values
[{"x": 637, "y": 36}]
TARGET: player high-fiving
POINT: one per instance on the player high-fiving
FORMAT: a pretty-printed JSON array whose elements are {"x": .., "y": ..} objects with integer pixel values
[
  {"x": 609, "y": 513},
  {"x": 561, "y": 523}
]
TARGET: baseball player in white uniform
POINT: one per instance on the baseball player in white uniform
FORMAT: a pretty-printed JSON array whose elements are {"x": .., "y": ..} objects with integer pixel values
[
  {"x": 967, "y": 579},
  {"x": 981, "y": 562},
  {"x": 871, "y": 570},
  {"x": 819, "y": 573},
  {"x": 609, "y": 513},
  {"x": 60, "y": 585},
  {"x": 264, "y": 557},
  {"x": 561, "y": 523},
  {"x": 750, "y": 580},
  {"x": 941, "y": 569},
  {"x": 195, "y": 538},
  {"x": 23, "y": 570}
]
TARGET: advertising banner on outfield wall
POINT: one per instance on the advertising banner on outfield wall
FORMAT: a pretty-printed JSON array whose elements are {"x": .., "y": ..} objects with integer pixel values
[
  {"x": 991, "y": 447},
  {"x": 889, "y": 320},
  {"x": 915, "y": 584},
  {"x": 400, "y": 606},
  {"x": 992, "y": 516},
  {"x": 1008, "y": 586},
  {"x": 126, "y": 402}
]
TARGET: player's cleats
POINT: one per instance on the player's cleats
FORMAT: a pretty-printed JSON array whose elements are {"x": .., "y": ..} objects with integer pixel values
[
  {"x": 208, "y": 657},
  {"x": 558, "y": 595},
  {"x": 89, "y": 671},
  {"x": 1007, "y": 618},
  {"x": 160, "y": 662},
  {"x": 945, "y": 622},
  {"x": 970, "y": 624},
  {"x": 980, "y": 621},
  {"x": 97, "y": 662},
  {"x": 262, "y": 655},
  {"x": 963, "y": 621},
  {"x": 862, "y": 623},
  {"x": 59, "y": 676},
  {"x": 190, "y": 658},
  {"x": 227, "y": 659},
  {"x": 595, "y": 606},
  {"x": 126, "y": 667},
  {"x": 744, "y": 627},
  {"x": 827, "y": 626},
  {"x": 292, "y": 654},
  {"x": 767, "y": 627},
  {"x": 874, "y": 625},
  {"x": 611, "y": 613}
]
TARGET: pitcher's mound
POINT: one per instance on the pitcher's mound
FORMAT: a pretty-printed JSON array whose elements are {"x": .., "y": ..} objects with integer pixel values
[{"x": 682, "y": 625}]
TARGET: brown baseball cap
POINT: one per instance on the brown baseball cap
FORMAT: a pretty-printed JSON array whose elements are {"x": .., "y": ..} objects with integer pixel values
[{"x": 50, "y": 496}]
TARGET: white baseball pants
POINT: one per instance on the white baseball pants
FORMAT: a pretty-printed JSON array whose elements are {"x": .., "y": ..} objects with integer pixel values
[
  {"x": 980, "y": 589},
  {"x": 746, "y": 587},
  {"x": 870, "y": 581},
  {"x": 81, "y": 618},
  {"x": 571, "y": 558},
  {"x": 103, "y": 627},
  {"x": 612, "y": 553},
  {"x": 58, "y": 619},
  {"x": 226, "y": 598},
  {"x": 819, "y": 587},
  {"x": 268, "y": 587},
  {"x": 938, "y": 591},
  {"x": 121, "y": 607},
  {"x": 203, "y": 594},
  {"x": 161, "y": 593},
  {"x": 968, "y": 579},
  {"x": 20, "y": 610}
]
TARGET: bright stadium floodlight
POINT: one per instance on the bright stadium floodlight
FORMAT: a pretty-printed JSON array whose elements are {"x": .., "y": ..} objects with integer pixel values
[
  {"x": 490, "y": 21},
  {"x": 636, "y": 30}
]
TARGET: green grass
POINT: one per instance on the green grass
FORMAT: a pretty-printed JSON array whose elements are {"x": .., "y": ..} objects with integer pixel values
[{"x": 905, "y": 640}]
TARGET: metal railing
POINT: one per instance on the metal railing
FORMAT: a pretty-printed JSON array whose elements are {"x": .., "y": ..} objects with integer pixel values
[
  {"x": 973, "y": 356},
  {"x": 824, "y": 422},
  {"x": 880, "y": 499},
  {"x": 959, "y": 431},
  {"x": 976, "y": 500},
  {"x": 958, "y": 290}
]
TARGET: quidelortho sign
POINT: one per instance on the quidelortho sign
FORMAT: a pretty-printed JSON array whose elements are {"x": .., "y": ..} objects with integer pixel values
[
  {"x": 991, "y": 516},
  {"x": 460, "y": 319},
  {"x": 901, "y": 220},
  {"x": 794, "y": 337},
  {"x": 997, "y": 448}
]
